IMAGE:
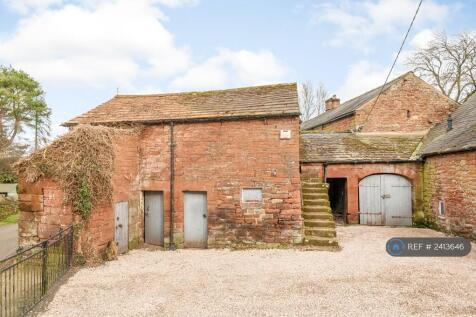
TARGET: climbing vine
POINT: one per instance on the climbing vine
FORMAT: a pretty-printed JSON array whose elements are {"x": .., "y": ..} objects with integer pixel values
[{"x": 81, "y": 162}]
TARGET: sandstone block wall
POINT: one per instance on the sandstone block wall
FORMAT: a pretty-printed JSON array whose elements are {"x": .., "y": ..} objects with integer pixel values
[
  {"x": 451, "y": 178},
  {"x": 222, "y": 158},
  {"x": 219, "y": 158},
  {"x": 354, "y": 173},
  {"x": 409, "y": 105}
]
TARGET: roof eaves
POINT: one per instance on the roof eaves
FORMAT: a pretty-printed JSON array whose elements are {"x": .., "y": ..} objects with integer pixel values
[
  {"x": 379, "y": 89},
  {"x": 449, "y": 151},
  {"x": 330, "y": 162},
  {"x": 185, "y": 120},
  {"x": 348, "y": 114}
]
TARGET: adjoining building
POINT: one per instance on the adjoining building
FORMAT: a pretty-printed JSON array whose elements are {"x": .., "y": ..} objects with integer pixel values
[
  {"x": 207, "y": 169},
  {"x": 449, "y": 174},
  {"x": 234, "y": 168},
  {"x": 367, "y": 150}
]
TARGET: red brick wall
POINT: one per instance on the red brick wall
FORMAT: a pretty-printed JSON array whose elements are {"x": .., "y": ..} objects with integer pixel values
[
  {"x": 221, "y": 158},
  {"x": 342, "y": 125},
  {"x": 451, "y": 178},
  {"x": 44, "y": 213},
  {"x": 354, "y": 173},
  {"x": 425, "y": 104},
  {"x": 43, "y": 210}
]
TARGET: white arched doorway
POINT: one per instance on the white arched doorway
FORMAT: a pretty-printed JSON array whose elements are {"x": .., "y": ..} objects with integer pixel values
[{"x": 385, "y": 199}]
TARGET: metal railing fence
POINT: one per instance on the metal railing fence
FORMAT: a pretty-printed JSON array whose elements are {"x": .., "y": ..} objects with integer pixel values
[{"x": 26, "y": 276}]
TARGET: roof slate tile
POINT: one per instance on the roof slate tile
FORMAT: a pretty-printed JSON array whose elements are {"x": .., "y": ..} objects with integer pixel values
[
  {"x": 461, "y": 138},
  {"x": 359, "y": 147},
  {"x": 258, "y": 101}
]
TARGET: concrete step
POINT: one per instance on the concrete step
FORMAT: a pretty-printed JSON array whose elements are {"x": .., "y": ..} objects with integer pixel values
[
  {"x": 316, "y": 202},
  {"x": 319, "y": 223},
  {"x": 313, "y": 195},
  {"x": 319, "y": 232},
  {"x": 320, "y": 241},
  {"x": 316, "y": 209},
  {"x": 318, "y": 215}
]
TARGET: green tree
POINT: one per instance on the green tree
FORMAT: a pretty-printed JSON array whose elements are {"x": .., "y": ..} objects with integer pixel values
[
  {"x": 22, "y": 105},
  {"x": 40, "y": 123}
]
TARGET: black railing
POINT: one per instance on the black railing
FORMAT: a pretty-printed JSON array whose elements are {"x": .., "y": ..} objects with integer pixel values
[{"x": 26, "y": 276}]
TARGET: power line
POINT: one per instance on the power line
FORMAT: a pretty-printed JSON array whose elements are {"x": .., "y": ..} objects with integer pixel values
[{"x": 393, "y": 65}]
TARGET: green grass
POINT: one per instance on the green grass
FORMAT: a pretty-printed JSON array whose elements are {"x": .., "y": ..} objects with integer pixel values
[{"x": 10, "y": 220}]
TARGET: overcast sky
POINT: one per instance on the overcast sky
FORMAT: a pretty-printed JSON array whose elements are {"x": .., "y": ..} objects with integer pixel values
[{"x": 83, "y": 51}]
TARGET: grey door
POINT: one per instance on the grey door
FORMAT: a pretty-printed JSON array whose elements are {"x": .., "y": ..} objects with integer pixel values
[
  {"x": 397, "y": 201},
  {"x": 121, "y": 221},
  {"x": 370, "y": 203},
  {"x": 385, "y": 199},
  {"x": 195, "y": 220},
  {"x": 154, "y": 218}
]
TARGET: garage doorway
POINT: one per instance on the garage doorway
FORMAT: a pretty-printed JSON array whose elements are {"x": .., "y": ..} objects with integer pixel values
[
  {"x": 385, "y": 199},
  {"x": 338, "y": 198}
]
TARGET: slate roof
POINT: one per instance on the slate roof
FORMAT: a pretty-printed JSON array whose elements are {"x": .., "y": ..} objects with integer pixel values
[
  {"x": 360, "y": 147},
  {"x": 461, "y": 138},
  {"x": 347, "y": 108},
  {"x": 258, "y": 101}
]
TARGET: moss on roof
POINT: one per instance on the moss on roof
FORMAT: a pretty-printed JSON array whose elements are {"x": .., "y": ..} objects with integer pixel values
[{"x": 349, "y": 147}]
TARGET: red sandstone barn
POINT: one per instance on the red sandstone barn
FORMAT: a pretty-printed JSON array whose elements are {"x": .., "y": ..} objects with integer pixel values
[
  {"x": 450, "y": 171},
  {"x": 369, "y": 152},
  {"x": 223, "y": 168},
  {"x": 218, "y": 167}
]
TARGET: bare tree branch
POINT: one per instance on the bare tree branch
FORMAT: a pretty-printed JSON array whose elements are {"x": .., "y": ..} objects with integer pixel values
[
  {"x": 449, "y": 64},
  {"x": 311, "y": 100}
]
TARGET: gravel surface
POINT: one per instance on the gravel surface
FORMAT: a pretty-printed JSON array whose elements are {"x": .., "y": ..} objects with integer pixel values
[{"x": 359, "y": 280}]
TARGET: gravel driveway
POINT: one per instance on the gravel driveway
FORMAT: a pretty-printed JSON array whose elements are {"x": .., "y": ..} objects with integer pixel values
[{"x": 359, "y": 280}]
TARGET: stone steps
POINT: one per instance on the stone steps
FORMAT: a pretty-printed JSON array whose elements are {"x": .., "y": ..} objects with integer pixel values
[
  {"x": 321, "y": 241},
  {"x": 317, "y": 190},
  {"x": 316, "y": 202},
  {"x": 320, "y": 232},
  {"x": 319, "y": 225},
  {"x": 312, "y": 195},
  {"x": 317, "y": 215},
  {"x": 317, "y": 209}
]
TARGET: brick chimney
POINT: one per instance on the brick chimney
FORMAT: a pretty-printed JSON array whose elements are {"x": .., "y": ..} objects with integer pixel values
[{"x": 332, "y": 103}]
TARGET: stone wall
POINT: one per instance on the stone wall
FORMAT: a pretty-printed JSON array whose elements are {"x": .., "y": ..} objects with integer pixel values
[
  {"x": 221, "y": 158},
  {"x": 43, "y": 211},
  {"x": 354, "y": 173},
  {"x": 451, "y": 178},
  {"x": 342, "y": 125},
  {"x": 409, "y": 105}
]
